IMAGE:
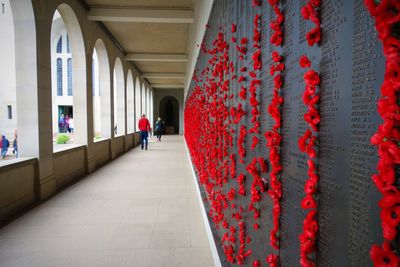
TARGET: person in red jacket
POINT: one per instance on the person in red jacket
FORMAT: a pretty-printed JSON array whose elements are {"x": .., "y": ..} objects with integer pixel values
[{"x": 144, "y": 127}]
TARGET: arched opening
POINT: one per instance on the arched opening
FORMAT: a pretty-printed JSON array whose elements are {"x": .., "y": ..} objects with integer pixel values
[
  {"x": 143, "y": 95},
  {"x": 101, "y": 92},
  {"x": 68, "y": 65},
  {"x": 169, "y": 113},
  {"x": 119, "y": 99},
  {"x": 148, "y": 104},
  {"x": 151, "y": 115},
  {"x": 18, "y": 80},
  {"x": 8, "y": 92},
  {"x": 130, "y": 99},
  {"x": 137, "y": 102}
]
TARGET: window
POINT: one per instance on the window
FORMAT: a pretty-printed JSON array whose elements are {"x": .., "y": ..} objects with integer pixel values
[
  {"x": 66, "y": 110},
  {"x": 101, "y": 92},
  {"x": 59, "y": 45},
  {"x": 9, "y": 112},
  {"x": 69, "y": 63},
  {"x": 68, "y": 46},
  {"x": 59, "y": 77},
  {"x": 94, "y": 75}
]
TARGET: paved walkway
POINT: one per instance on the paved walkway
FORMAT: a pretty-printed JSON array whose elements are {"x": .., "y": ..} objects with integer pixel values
[{"x": 140, "y": 210}]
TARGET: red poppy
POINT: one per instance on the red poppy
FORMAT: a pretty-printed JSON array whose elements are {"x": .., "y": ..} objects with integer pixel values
[
  {"x": 310, "y": 187},
  {"x": 304, "y": 62},
  {"x": 241, "y": 79},
  {"x": 384, "y": 256},
  {"x": 391, "y": 195},
  {"x": 303, "y": 140},
  {"x": 391, "y": 47},
  {"x": 272, "y": 260},
  {"x": 276, "y": 57},
  {"x": 389, "y": 232},
  {"x": 314, "y": 36},
  {"x": 308, "y": 202},
  {"x": 391, "y": 216},
  {"x": 305, "y": 13},
  {"x": 311, "y": 78},
  {"x": 280, "y": 67},
  {"x": 254, "y": 142},
  {"x": 242, "y": 93}
]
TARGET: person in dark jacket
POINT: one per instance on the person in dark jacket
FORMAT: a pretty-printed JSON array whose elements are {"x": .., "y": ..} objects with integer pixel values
[
  {"x": 5, "y": 144},
  {"x": 15, "y": 144},
  {"x": 159, "y": 128}
]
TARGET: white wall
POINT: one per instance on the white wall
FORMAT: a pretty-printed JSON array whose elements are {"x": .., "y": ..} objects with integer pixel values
[
  {"x": 8, "y": 94},
  {"x": 202, "y": 12}
]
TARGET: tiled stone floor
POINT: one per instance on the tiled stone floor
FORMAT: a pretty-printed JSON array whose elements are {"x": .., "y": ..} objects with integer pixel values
[{"x": 140, "y": 210}]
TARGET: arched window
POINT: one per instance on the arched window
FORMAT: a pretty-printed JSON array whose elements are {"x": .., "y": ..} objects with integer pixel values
[
  {"x": 137, "y": 102},
  {"x": 68, "y": 46},
  {"x": 130, "y": 100},
  {"x": 101, "y": 92},
  {"x": 59, "y": 45},
  {"x": 59, "y": 76},
  {"x": 94, "y": 71},
  {"x": 69, "y": 74},
  {"x": 119, "y": 98}
]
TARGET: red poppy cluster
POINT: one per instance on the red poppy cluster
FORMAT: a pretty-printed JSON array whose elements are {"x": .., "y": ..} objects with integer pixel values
[
  {"x": 255, "y": 83},
  {"x": 274, "y": 137},
  {"x": 257, "y": 186},
  {"x": 310, "y": 12},
  {"x": 308, "y": 142},
  {"x": 387, "y": 139},
  {"x": 210, "y": 121}
]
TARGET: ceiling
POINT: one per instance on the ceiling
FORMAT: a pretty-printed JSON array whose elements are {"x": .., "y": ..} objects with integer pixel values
[{"x": 154, "y": 34}]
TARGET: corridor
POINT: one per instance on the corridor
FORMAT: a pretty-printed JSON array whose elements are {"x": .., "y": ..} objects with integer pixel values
[{"x": 139, "y": 210}]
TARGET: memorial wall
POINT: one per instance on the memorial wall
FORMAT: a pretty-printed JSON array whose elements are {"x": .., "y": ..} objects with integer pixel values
[{"x": 292, "y": 122}]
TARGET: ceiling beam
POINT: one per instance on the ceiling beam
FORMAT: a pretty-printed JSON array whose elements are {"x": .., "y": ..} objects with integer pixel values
[
  {"x": 141, "y": 15},
  {"x": 163, "y": 75},
  {"x": 168, "y": 85},
  {"x": 157, "y": 57}
]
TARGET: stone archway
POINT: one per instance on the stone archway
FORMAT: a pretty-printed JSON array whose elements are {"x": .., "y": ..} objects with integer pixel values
[
  {"x": 75, "y": 96},
  {"x": 26, "y": 77},
  {"x": 169, "y": 113},
  {"x": 101, "y": 91}
]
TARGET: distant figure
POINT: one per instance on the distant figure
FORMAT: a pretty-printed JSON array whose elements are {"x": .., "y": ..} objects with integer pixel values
[
  {"x": 169, "y": 110},
  {"x": 15, "y": 144},
  {"x": 5, "y": 144},
  {"x": 61, "y": 123},
  {"x": 71, "y": 125},
  {"x": 144, "y": 127},
  {"x": 67, "y": 124},
  {"x": 159, "y": 128}
]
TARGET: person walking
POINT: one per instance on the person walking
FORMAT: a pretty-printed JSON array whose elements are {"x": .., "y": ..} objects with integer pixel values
[
  {"x": 144, "y": 127},
  {"x": 159, "y": 127},
  {"x": 67, "y": 124},
  {"x": 5, "y": 144},
  {"x": 71, "y": 125},
  {"x": 15, "y": 144},
  {"x": 61, "y": 123}
]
